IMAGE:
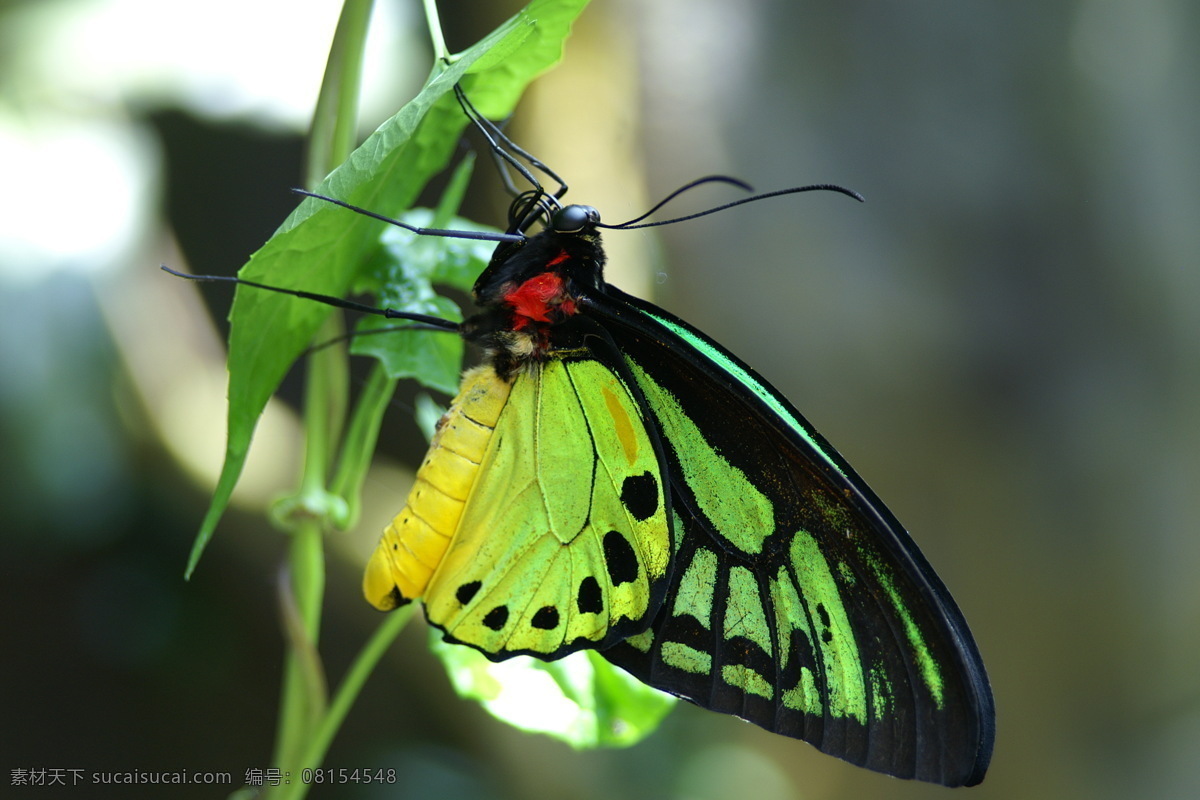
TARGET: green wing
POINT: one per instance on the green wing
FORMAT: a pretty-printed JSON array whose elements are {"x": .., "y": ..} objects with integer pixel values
[
  {"x": 563, "y": 541},
  {"x": 796, "y": 600}
]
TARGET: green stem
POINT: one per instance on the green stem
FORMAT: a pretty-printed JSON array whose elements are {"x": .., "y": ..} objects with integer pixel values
[
  {"x": 335, "y": 119},
  {"x": 435, "y": 31},
  {"x": 364, "y": 664},
  {"x": 302, "y": 700},
  {"x": 359, "y": 443},
  {"x": 301, "y": 704}
]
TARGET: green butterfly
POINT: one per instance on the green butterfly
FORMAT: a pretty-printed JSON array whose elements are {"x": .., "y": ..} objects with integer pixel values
[{"x": 611, "y": 478}]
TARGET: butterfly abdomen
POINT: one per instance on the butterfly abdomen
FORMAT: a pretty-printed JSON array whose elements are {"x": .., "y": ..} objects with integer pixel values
[{"x": 415, "y": 541}]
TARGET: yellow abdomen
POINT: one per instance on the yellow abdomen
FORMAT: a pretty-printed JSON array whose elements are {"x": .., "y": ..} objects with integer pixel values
[{"x": 415, "y": 541}]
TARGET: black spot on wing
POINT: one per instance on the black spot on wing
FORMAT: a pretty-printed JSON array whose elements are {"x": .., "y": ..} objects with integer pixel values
[
  {"x": 802, "y": 656},
  {"x": 496, "y": 618},
  {"x": 639, "y": 494},
  {"x": 823, "y": 616},
  {"x": 619, "y": 559},
  {"x": 467, "y": 591},
  {"x": 589, "y": 600},
  {"x": 546, "y": 618}
]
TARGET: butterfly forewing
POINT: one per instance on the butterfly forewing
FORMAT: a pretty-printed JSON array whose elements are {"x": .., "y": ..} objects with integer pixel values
[{"x": 796, "y": 601}]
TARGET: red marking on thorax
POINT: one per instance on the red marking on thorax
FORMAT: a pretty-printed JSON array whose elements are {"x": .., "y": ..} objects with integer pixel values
[{"x": 534, "y": 299}]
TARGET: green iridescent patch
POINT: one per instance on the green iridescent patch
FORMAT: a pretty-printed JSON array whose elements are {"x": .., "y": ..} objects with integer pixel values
[
  {"x": 696, "y": 588},
  {"x": 931, "y": 672},
  {"x": 839, "y": 650},
  {"x": 738, "y": 511},
  {"x": 744, "y": 614}
]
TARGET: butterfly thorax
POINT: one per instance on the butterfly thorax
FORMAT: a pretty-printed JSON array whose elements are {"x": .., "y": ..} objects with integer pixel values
[{"x": 527, "y": 293}]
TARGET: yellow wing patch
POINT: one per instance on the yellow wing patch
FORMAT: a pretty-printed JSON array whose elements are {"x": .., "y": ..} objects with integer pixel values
[{"x": 551, "y": 537}]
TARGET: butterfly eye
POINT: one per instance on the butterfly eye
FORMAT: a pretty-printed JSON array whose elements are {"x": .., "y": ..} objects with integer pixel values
[{"x": 573, "y": 219}]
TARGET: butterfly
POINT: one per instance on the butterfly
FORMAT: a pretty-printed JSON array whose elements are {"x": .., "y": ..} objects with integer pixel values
[{"x": 611, "y": 478}]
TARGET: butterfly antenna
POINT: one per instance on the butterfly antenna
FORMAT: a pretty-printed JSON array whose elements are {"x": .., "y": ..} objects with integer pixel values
[
  {"x": 637, "y": 221},
  {"x": 425, "y": 321},
  {"x": 687, "y": 186},
  {"x": 486, "y": 236}
]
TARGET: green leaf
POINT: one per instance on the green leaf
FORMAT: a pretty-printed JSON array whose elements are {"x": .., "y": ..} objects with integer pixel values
[
  {"x": 582, "y": 699},
  {"x": 432, "y": 259},
  {"x": 320, "y": 248},
  {"x": 544, "y": 26},
  {"x": 402, "y": 276}
]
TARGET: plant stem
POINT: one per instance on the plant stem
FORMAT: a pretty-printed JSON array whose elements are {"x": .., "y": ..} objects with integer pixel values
[
  {"x": 347, "y": 692},
  {"x": 302, "y": 701},
  {"x": 435, "y": 30},
  {"x": 359, "y": 442},
  {"x": 300, "y": 704},
  {"x": 335, "y": 118}
]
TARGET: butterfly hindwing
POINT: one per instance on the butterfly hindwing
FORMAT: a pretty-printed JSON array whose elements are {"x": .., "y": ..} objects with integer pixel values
[
  {"x": 560, "y": 540},
  {"x": 796, "y": 600}
]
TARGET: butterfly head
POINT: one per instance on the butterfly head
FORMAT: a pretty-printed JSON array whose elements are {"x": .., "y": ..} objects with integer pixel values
[{"x": 575, "y": 219}]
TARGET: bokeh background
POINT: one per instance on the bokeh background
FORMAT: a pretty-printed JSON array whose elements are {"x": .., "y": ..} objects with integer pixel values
[{"x": 1004, "y": 340}]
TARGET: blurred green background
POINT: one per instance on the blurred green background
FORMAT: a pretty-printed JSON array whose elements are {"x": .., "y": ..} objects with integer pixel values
[{"x": 1004, "y": 340}]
